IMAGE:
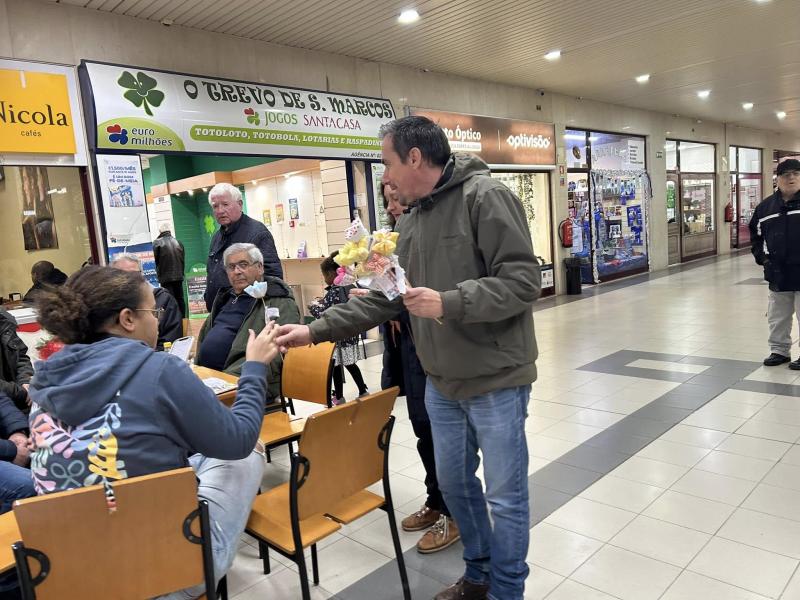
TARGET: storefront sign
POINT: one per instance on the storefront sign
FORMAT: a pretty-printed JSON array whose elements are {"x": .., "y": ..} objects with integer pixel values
[
  {"x": 123, "y": 195},
  {"x": 38, "y": 109},
  {"x": 147, "y": 109},
  {"x": 498, "y": 141}
]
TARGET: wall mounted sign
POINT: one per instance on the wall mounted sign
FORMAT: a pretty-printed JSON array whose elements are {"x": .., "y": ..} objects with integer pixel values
[
  {"x": 498, "y": 141},
  {"x": 148, "y": 109},
  {"x": 38, "y": 111}
]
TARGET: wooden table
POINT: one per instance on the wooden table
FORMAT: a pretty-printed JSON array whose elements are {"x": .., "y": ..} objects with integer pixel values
[
  {"x": 9, "y": 534},
  {"x": 226, "y": 398},
  {"x": 276, "y": 429}
]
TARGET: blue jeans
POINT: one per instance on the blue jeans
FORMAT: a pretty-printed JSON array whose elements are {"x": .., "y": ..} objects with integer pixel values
[
  {"x": 230, "y": 487},
  {"x": 15, "y": 483},
  {"x": 493, "y": 423}
]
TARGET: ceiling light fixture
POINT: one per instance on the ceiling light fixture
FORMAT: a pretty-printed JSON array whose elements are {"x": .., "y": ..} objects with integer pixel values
[
  {"x": 553, "y": 55},
  {"x": 253, "y": 181},
  {"x": 643, "y": 78},
  {"x": 781, "y": 114},
  {"x": 191, "y": 192},
  {"x": 703, "y": 94},
  {"x": 408, "y": 16},
  {"x": 747, "y": 105}
]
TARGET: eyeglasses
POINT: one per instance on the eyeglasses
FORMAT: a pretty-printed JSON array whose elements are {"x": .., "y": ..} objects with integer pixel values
[
  {"x": 241, "y": 265},
  {"x": 156, "y": 312},
  {"x": 790, "y": 174}
]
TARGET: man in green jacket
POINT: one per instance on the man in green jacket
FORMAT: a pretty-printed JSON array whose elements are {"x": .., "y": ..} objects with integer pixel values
[
  {"x": 222, "y": 342},
  {"x": 465, "y": 241}
]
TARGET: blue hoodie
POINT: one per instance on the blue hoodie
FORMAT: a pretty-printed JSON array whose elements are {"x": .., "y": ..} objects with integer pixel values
[{"x": 115, "y": 409}]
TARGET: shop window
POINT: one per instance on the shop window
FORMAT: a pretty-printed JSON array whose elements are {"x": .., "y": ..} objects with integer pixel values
[
  {"x": 749, "y": 160},
  {"x": 671, "y": 151},
  {"x": 696, "y": 158},
  {"x": 577, "y": 151},
  {"x": 533, "y": 190},
  {"x": 43, "y": 219}
]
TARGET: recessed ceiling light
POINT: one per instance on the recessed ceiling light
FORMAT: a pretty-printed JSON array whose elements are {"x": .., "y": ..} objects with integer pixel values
[
  {"x": 553, "y": 55},
  {"x": 253, "y": 181},
  {"x": 643, "y": 78},
  {"x": 408, "y": 16},
  {"x": 747, "y": 105},
  {"x": 781, "y": 114},
  {"x": 704, "y": 94}
]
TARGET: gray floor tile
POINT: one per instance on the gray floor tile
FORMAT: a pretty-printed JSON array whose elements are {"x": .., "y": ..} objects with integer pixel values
[
  {"x": 619, "y": 441},
  {"x": 765, "y": 387},
  {"x": 594, "y": 458},
  {"x": 643, "y": 427},
  {"x": 384, "y": 584},
  {"x": 565, "y": 478},
  {"x": 719, "y": 382},
  {"x": 545, "y": 501},
  {"x": 445, "y": 566},
  {"x": 659, "y": 411},
  {"x": 678, "y": 400}
]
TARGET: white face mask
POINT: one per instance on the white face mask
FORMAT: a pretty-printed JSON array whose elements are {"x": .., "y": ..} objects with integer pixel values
[{"x": 257, "y": 290}]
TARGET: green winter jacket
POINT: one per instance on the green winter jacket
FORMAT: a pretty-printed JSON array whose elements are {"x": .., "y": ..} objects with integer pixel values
[
  {"x": 279, "y": 296},
  {"x": 470, "y": 241}
]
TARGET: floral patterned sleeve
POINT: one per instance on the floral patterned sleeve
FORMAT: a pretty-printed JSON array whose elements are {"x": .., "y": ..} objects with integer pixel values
[{"x": 320, "y": 305}]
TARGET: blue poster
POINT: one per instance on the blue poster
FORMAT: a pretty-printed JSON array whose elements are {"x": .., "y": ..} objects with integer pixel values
[{"x": 145, "y": 254}]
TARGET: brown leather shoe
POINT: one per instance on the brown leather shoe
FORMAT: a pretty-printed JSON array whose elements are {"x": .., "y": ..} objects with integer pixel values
[
  {"x": 422, "y": 519},
  {"x": 464, "y": 590},
  {"x": 442, "y": 535}
]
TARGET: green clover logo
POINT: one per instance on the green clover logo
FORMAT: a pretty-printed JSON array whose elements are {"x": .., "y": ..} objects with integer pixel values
[
  {"x": 141, "y": 90},
  {"x": 210, "y": 224}
]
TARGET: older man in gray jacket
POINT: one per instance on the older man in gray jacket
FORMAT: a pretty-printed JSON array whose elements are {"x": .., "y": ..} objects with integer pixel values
[{"x": 466, "y": 243}]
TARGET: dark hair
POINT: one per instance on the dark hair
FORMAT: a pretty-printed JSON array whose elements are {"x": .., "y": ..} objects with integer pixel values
[
  {"x": 90, "y": 299},
  {"x": 329, "y": 265},
  {"x": 418, "y": 132},
  {"x": 42, "y": 269}
]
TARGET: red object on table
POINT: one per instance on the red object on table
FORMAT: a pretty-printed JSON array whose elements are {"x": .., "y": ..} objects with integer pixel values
[
  {"x": 29, "y": 327},
  {"x": 49, "y": 348}
]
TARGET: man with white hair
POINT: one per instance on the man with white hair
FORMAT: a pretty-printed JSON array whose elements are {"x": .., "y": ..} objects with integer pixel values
[
  {"x": 235, "y": 227},
  {"x": 170, "y": 264},
  {"x": 222, "y": 342},
  {"x": 170, "y": 322}
]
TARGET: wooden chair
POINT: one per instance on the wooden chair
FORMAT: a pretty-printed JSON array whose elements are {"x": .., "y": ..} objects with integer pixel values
[
  {"x": 9, "y": 533},
  {"x": 342, "y": 452},
  {"x": 185, "y": 327},
  {"x": 306, "y": 374},
  {"x": 73, "y": 547}
]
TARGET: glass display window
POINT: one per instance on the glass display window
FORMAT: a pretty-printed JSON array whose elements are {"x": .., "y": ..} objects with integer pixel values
[
  {"x": 533, "y": 189},
  {"x": 577, "y": 151},
  {"x": 746, "y": 191},
  {"x": 696, "y": 157},
  {"x": 671, "y": 152}
]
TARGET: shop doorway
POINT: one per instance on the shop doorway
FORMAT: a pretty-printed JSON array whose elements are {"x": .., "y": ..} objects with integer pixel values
[
  {"x": 746, "y": 191},
  {"x": 691, "y": 221}
]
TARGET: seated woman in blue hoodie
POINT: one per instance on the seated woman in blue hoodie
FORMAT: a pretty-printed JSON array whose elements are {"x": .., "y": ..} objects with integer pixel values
[{"x": 107, "y": 406}]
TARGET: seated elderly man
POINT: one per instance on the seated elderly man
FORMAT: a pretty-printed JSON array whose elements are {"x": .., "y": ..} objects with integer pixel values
[
  {"x": 16, "y": 369},
  {"x": 170, "y": 321},
  {"x": 223, "y": 338}
]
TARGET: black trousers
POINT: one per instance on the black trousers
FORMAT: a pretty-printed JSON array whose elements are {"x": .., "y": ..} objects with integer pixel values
[
  {"x": 338, "y": 379},
  {"x": 422, "y": 429},
  {"x": 176, "y": 289}
]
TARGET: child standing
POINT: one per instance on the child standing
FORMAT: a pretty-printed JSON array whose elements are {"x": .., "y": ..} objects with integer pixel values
[{"x": 348, "y": 352}]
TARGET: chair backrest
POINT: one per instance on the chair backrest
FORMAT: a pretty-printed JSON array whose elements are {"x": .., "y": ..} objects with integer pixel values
[
  {"x": 184, "y": 327},
  {"x": 138, "y": 551},
  {"x": 341, "y": 445},
  {"x": 306, "y": 373}
]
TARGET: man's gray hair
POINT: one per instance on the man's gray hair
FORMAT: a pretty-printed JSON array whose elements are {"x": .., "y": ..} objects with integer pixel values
[
  {"x": 125, "y": 256},
  {"x": 225, "y": 189},
  {"x": 164, "y": 227},
  {"x": 252, "y": 252}
]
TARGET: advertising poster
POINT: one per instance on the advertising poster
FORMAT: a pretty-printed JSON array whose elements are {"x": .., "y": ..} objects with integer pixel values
[
  {"x": 144, "y": 252},
  {"x": 149, "y": 109},
  {"x": 122, "y": 189},
  {"x": 266, "y": 217},
  {"x": 279, "y": 213},
  {"x": 381, "y": 218},
  {"x": 294, "y": 210},
  {"x": 38, "y": 218},
  {"x": 195, "y": 288}
]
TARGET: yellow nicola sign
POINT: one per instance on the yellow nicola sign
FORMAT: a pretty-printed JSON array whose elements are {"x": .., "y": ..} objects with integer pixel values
[{"x": 35, "y": 113}]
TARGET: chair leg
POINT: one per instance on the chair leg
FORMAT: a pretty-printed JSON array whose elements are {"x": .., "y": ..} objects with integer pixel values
[
  {"x": 401, "y": 564},
  {"x": 314, "y": 564},
  {"x": 301, "y": 569},
  {"x": 222, "y": 588},
  {"x": 263, "y": 551}
]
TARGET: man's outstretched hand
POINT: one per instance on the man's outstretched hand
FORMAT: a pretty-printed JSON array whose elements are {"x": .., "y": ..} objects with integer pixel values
[{"x": 292, "y": 336}]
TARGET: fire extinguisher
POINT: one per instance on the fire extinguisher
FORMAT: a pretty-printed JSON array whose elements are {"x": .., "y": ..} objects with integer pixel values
[
  {"x": 729, "y": 212},
  {"x": 565, "y": 233}
]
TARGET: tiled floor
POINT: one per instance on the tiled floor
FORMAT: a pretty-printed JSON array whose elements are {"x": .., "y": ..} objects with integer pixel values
[{"x": 665, "y": 461}]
